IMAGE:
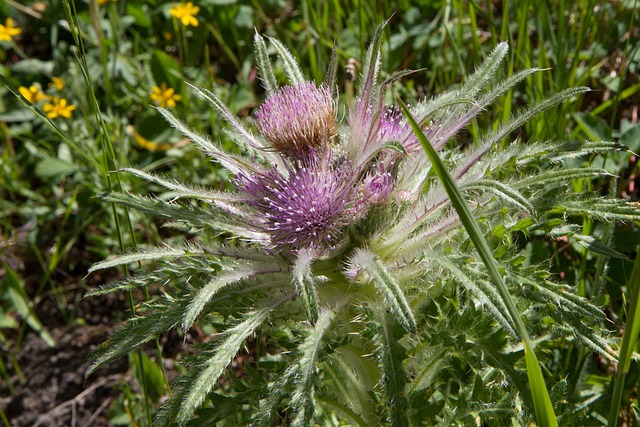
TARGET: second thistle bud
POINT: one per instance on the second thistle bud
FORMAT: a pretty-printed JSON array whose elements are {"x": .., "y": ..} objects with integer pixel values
[
  {"x": 379, "y": 186},
  {"x": 298, "y": 119}
]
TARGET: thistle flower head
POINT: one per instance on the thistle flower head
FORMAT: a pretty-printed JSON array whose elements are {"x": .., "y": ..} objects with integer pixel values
[
  {"x": 298, "y": 118},
  {"x": 308, "y": 208}
]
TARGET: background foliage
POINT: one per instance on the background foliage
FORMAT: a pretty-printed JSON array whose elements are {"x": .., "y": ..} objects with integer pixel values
[{"x": 110, "y": 55}]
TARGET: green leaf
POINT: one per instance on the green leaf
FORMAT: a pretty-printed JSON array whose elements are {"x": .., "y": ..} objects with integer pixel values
[
  {"x": 151, "y": 374},
  {"x": 304, "y": 373},
  {"x": 631, "y": 138},
  {"x": 53, "y": 168},
  {"x": 14, "y": 292},
  {"x": 140, "y": 15},
  {"x": 628, "y": 345},
  {"x": 593, "y": 126},
  {"x": 305, "y": 285},
  {"x": 244, "y": 18},
  {"x": 264, "y": 65},
  {"x": 137, "y": 331},
  {"x": 165, "y": 69},
  {"x": 205, "y": 378},
  {"x": 214, "y": 286},
  {"x": 16, "y": 115},
  {"x": 148, "y": 255},
  {"x": 387, "y": 285},
  {"x": 33, "y": 67}
]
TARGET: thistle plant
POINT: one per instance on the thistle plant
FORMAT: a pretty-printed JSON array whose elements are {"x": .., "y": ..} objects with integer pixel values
[{"x": 341, "y": 248}]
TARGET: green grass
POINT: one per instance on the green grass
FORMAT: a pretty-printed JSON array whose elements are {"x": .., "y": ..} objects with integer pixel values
[{"x": 110, "y": 56}]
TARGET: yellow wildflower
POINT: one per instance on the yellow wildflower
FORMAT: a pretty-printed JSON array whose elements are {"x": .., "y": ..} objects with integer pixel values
[
  {"x": 8, "y": 31},
  {"x": 57, "y": 83},
  {"x": 32, "y": 93},
  {"x": 146, "y": 143},
  {"x": 164, "y": 96},
  {"x": 185, "y": 12},
  {"x": 58, "y": 108}
]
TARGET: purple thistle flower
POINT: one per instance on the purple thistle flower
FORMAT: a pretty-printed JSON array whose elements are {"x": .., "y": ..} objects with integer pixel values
[
  {"x": 378, "y": 126},
  {"x": 297, "y": 119},
  {"x": 309, "y": 208},
  {"x": 392, "y": 126},
  {"x": 379, "y": 186}
]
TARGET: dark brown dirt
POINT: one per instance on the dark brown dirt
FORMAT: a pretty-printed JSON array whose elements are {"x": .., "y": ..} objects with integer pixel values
[
  {"x": 54, "y": 391},
  {"x": 47, "y": 385}
]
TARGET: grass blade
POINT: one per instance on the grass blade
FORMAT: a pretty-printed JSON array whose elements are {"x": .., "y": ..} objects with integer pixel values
[{"x": 629, "y": 339}]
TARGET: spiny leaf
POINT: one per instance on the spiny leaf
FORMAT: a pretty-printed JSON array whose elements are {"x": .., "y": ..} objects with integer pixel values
[
  {"x": 603, "y": 209},
  {"x": 192, "y": 215},
  {"x": 558, "y": 296},
  {"x": 487, "y": 295},
  {"x": 503, "y": 191},
  {"x": 291, "y": 66},
  {"x": 264, "y": 65},
  {"x": 574, "y": 149},
  {"x": 304, "y": 373},
  {"x": 505, "y": 85},
  {"x": 352, "y": 378},
  {"x": 387, "y": 285},
  {"x": 520, "y": 119},
  {"x": 194, "y": 392},
  {"x": 486, "y": 71},
  {"x": 229, "y": 117},
  {"x": 531, "y": 111},
  {"x": 536, "y": 381},
  {"x": 219, "y": 282},
  {"x": 125, "y": 285},
  {"x": 394, "y": 378},
  {"x": 231, "y": 163},
  {"x": 562, "y": 175},
  {"x": 369, "y": 78},
  {"x": 332, "y": 71},
  {"x": 305, "y": 285},
  {"x": 596, "y": 246},
  {"x": 145, "y": 255},
  {"x": 137, "y": 331},
  {"x": 183, "y": 190}
]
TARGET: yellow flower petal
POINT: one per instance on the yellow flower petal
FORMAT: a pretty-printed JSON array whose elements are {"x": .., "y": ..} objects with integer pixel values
[
  {"x": 185, "y": 12},
  {"x": 57, "y": 83}
]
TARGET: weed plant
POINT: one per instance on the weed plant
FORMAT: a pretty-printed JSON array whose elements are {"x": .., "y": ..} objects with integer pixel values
[
  {"x": 344, "y": 251},
  {"x": 419, "y": 299}
]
